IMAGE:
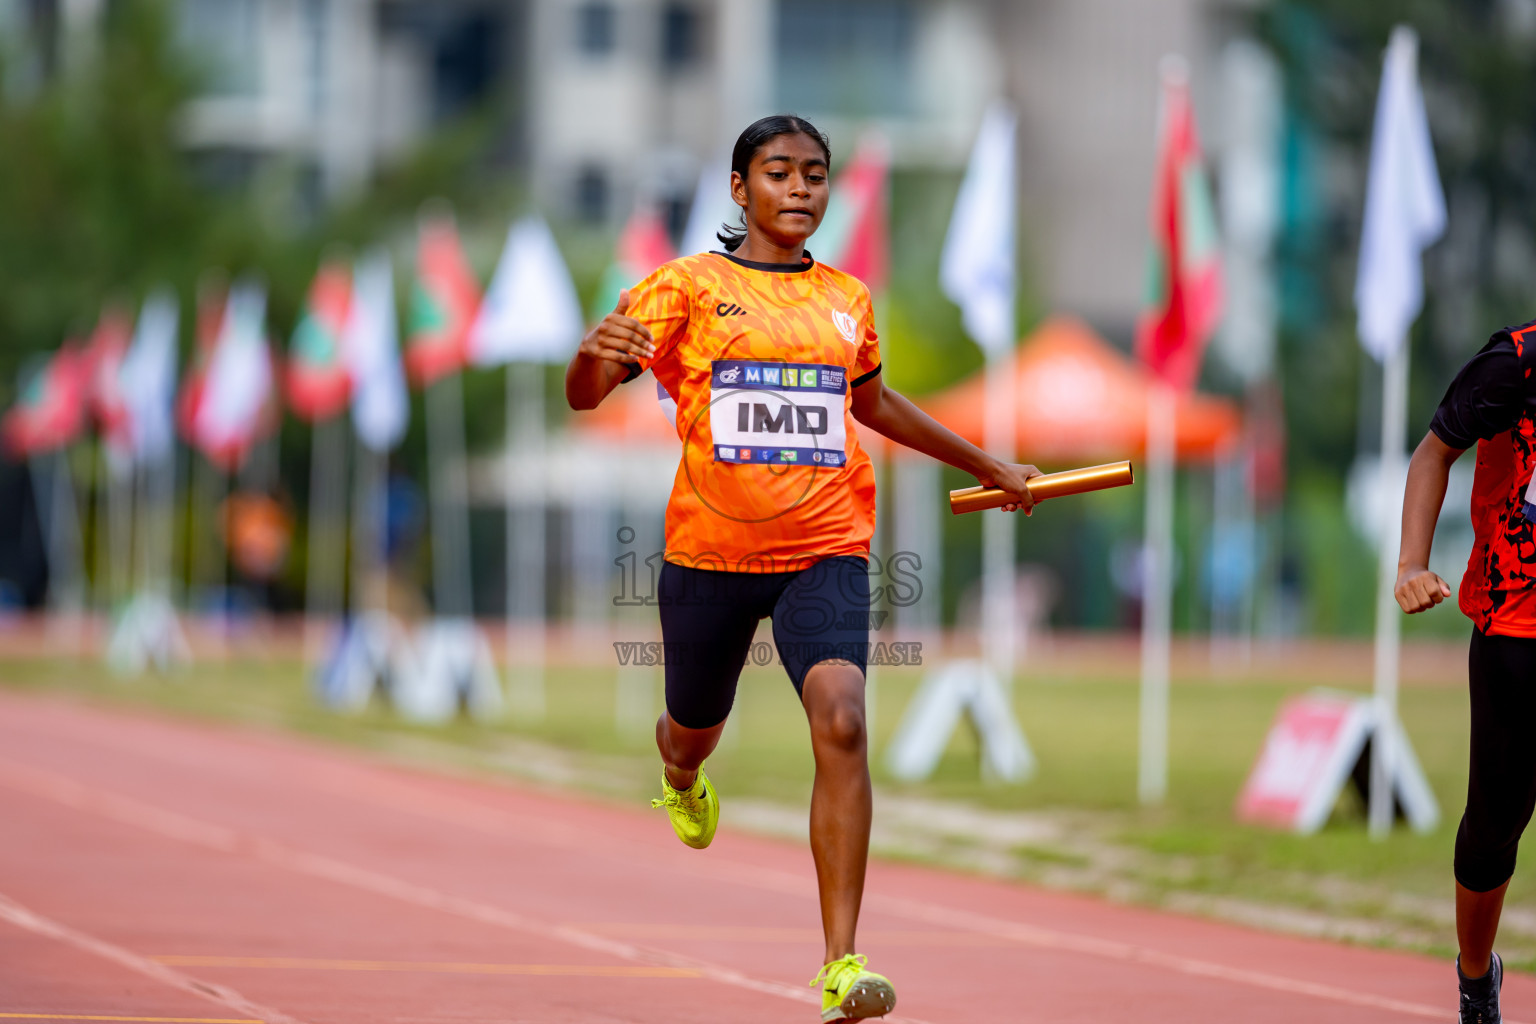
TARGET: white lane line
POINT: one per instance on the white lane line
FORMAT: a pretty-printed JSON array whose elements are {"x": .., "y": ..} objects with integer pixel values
[
  {"x": 490, "y": 820},
  {"x": 139, "y": 1020},
  {"x": 34, "y": 922},
  {"x": 1108, "y": 949},
  {"x": 305, "y": 963},
  {"x": 174, "y": 825},
  {"x": 471, "y": 814}
]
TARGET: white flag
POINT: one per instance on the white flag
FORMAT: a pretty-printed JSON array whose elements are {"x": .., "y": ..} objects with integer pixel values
[
  {"x": 239, "y": 373},
  {"x": 148, "y": 378},
  {"x": 712, "y": 207},
  {"x": 371, "y": 346},
  {"x": 977, "y": 267},
  {"x": 1404, "y": 205},
  {"x": 531, "y": 312}
]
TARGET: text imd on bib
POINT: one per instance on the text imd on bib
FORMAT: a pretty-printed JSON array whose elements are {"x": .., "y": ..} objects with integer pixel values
[{"x": 778, "y": 412}]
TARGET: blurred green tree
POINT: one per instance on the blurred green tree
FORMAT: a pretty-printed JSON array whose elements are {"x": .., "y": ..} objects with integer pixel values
[
  {"x": 100, "y": 198},
  {"x": 1478, "y": 68}
]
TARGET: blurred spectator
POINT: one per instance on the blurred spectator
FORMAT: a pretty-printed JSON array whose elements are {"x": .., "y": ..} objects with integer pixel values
[{"x": 258, "y": 530}]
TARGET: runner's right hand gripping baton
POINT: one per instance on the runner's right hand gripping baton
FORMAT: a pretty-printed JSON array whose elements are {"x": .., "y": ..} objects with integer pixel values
[{"x": 1051, "y": 485}]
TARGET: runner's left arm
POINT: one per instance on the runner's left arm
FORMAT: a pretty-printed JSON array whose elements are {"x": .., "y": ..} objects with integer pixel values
[{"x": 893, "y": 415}]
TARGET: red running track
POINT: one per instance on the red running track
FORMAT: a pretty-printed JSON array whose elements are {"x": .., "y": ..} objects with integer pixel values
[{"x": 154, "y": 870}]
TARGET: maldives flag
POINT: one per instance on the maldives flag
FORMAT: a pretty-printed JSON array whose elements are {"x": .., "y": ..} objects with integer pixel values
[
  {"x": 1184, "y": 281},
  {"x": 643, "y": 246},
  {"x": 316, "y": 380},
  {"x": 211, "y": 297},
  {"x": 237, "y": 406},
  {"x": 443, "y": 303},
  {"x": 50, "y": 413},
  {"x": 855, "y": 234},
  {"x": 109, "y": 405}
]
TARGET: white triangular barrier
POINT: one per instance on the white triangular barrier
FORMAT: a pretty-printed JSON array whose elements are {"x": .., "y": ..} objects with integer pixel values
[
  {"x": 369, "y": 652},
  {"x": 148, "y": 634},
  {"x": 961, "y": 688},
  {"x": 1313, "y": 750},
  {"x": 450, "y": 665}
]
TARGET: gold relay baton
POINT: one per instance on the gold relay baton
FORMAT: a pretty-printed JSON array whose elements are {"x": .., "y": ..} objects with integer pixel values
[{"x": 1051, "y": 485}]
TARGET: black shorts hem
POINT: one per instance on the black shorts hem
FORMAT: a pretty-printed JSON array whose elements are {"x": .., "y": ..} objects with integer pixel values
[{"x": 709, "y": 620}]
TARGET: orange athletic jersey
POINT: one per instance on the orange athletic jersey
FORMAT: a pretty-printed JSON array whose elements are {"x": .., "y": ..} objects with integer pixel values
[{"x": 762, "y": 360}]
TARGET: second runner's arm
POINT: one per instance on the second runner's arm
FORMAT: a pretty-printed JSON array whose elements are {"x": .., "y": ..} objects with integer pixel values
[
  {"x": 894, "y": 416},
  {"x": 1429, "y": 471}
]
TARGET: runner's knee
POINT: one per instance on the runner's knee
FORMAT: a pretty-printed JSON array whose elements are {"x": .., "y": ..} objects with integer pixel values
[
  {"x": 1498, "y": 809},
  {"x": 1486, "y": 851},
  {"x": 839, "y": 723}
]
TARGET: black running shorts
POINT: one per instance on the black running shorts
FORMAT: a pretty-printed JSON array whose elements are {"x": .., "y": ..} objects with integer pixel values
[
  {"x": 709, "y": 616},
  {"x": 1501, "y": 787}
]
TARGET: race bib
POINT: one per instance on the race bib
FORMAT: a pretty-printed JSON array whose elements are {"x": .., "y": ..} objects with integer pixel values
[{"x": 778, "y": 412}]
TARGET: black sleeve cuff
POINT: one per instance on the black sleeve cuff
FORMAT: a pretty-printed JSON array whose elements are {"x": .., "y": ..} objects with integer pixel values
[
  {"x": 865, "y": 378},
  {"x": 1449, "y": 437},
  {"x": 633, "y": 372}
]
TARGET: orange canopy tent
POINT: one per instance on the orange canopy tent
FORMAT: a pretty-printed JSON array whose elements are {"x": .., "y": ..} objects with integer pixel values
[{"x": 1077, "y": 398}]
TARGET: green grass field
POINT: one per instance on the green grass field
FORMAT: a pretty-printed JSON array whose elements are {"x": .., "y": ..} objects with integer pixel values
[{"x": 1189, "y": 854}]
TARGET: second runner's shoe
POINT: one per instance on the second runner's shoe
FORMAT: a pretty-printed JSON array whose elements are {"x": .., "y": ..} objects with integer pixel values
[
  {"x": 1480, "y": 996},
  {"x": 694, "y": 812},
  {"x": 849, "y": 992}
]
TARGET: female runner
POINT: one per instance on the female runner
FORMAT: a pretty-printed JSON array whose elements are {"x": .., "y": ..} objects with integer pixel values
[{"x": 770, "y": 356}]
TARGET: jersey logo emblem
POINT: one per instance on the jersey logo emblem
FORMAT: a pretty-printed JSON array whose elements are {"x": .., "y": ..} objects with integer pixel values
[
  {"x": 729, "y": 309},
  {"x": 846, "y": 325},
  {"x": 730, "y": 376}
]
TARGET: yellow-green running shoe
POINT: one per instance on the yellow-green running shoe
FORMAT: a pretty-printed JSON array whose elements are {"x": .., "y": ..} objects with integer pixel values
[
  {"x": 694, "y": 812},
  {"x": 849, "y": 992}
]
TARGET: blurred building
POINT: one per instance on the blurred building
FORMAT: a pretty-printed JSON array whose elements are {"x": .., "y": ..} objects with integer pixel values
[{"x": 606, "y": 101}]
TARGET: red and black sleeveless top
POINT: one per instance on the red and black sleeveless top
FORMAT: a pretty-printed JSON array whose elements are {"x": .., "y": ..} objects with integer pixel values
[{"x": 1491, "y": 403}]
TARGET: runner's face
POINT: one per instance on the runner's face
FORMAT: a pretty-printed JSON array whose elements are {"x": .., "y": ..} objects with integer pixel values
[{"x": 785, "y": 194}]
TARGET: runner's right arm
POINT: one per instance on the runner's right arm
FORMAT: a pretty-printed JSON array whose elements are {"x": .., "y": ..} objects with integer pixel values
[
  {"x": 1429, "y": 471},
  {"x": 1484, "y": 400},
  {"x": 607, "y": 356}
]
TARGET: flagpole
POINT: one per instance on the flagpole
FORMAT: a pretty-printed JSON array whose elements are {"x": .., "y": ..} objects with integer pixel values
[
  {"x": 178, "y": 557},
  {"x": 1000, "y": 617},
  {"x": 915, "y": 483},
  {"x": 525, "y": 539},
  {"x": 162, "y": 496},
  {"x": 879, "y": 557},
  {"x": 325, "y": 568},
  {"x": 1157, "y": 594},
  {"x": 1404, "y": 214},
  {"x": 120, "y": 513},
  {"x": 60, "y": 518},
  {"x": 451, "y": 596},
  {"x": 978, "y": 269},
  {"x": 213, "y": 567},
  {"x": 142, "y": 544},
  {"x": 1394, "y": 410},
  {"x": 370, "y": 590},
  {"x": 101, "y": 520},
  {"x": 379, "y": 410}
]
